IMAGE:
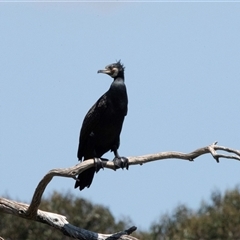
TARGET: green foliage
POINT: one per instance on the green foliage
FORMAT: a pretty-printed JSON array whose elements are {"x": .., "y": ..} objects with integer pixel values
[
  {"x": 219, "y": 220},
  {"x": 78, "y": 211}
]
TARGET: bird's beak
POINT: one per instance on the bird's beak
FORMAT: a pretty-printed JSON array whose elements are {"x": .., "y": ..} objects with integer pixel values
[{"x": 106, "y": 71}]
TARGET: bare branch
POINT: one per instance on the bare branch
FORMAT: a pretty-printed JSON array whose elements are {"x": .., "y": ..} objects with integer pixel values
[
  {"x": 60, "y": 222},
  {"x": 62, "y": 172},
  {"x": 72, "y": 172}
]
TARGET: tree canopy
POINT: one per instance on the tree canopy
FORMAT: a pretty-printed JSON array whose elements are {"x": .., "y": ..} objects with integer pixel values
[{"x": 219, "y": 219}]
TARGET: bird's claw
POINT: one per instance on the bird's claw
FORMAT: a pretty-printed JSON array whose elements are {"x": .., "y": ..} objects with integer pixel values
[
  {"x": 121, "y": 162},
  {"x": 99, "y": 163}
]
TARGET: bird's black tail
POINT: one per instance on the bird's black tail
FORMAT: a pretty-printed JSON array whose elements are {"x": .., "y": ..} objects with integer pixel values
[{"x": 85, "y": 179}]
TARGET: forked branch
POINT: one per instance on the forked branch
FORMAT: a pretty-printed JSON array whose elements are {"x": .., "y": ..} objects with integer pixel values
[{"x": 58, "y": 221}]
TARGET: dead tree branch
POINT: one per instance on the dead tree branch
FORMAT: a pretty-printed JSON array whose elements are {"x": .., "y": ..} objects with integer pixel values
[
  {"x": 58, "y": 221},
  {"x": 72, "y": 172}
]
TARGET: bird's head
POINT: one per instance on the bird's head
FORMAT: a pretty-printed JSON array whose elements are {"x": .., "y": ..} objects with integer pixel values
[{"x": 114, "y": 70}]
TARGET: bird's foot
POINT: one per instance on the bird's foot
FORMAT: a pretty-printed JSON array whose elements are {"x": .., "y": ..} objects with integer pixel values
[
  {"x": 121, "y": 162},
  {"x": 99, "y": 163}
]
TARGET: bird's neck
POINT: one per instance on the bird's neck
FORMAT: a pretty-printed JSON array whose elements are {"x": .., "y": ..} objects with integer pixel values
[
  {"x": 118, "y": 96},
  {"x": 118, "y": 88},
  {"x": 118, "y": 83}
]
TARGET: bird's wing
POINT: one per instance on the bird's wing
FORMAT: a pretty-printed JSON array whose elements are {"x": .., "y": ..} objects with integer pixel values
[{"x": 90, "y": 121}]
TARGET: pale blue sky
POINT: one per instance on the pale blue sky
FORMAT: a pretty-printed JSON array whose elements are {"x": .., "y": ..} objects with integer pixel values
[{"x": 183, "y": 78}]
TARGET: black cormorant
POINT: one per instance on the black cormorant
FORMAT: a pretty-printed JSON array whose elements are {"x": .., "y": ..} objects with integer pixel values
[{"x": 102, "y": 126}]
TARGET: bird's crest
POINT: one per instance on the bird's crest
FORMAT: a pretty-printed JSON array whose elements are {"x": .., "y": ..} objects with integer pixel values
[{"x": 118, "y": 62}]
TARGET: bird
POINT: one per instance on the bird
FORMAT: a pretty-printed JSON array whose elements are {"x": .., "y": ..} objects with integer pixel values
[{"x": 102, "y": 125}]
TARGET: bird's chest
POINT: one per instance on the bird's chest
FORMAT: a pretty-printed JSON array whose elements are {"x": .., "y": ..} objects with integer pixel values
[{"x": 110, "y": 124}]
